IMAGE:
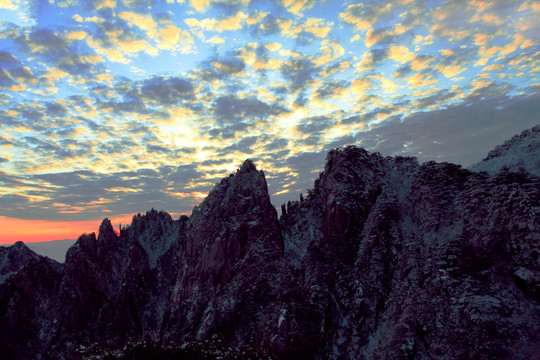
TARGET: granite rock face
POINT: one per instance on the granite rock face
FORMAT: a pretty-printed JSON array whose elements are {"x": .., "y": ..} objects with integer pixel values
[
  {"x": 232, "y": 246},
  {"x": 385, "y": 258}
]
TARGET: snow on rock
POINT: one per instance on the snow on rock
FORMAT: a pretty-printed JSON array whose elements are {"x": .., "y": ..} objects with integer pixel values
[
  {"x": 520, "y": 153},
  {"x": 156, "y": 232}
]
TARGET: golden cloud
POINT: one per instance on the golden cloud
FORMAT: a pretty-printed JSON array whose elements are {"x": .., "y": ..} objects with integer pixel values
[
  {"x": 400, "y": 53},
  {"x": 9, "y": 5},
  {"x": 420, "y": 80},
  {"x": 349, "y": 16}
]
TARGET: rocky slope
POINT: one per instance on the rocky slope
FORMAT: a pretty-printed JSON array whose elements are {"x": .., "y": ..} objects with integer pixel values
[
  {"x": 384, "y": 259},
  {"x": 25, "y": 303},
  {"x": 521, "y": 152},
  {"x": 13, "y": 258}
]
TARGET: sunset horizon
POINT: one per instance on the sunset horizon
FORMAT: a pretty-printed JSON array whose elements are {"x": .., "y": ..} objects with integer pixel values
[{"x": 110, "y": 108}]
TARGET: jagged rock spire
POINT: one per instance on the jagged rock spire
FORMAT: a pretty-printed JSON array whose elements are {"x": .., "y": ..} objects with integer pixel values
[{"x": 248, "y": 165}]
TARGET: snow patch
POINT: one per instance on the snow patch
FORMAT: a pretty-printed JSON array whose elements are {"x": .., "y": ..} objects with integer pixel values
[{"x": 282, "y": 315}]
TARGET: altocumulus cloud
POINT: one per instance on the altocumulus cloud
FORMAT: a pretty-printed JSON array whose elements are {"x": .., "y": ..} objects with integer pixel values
[{"x": 115, "y": 107}]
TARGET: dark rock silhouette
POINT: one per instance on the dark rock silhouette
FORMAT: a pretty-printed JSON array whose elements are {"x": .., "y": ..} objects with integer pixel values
[
  {"x": 13, "y": 258},
  {"x": 384, "y": 258},
  {"x": 232, "y": 246}
]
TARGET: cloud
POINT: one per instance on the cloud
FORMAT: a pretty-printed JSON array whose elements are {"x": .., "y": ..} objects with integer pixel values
[
  {"x": 387, "y": 35},
  {"x": 119, "y": 107},
  {"x": 463, "y": 133},
  {"x": 163, "y": 34},
  {"x": 231, "y": 109},
  {"x": 315, "y": 125},
  {"x": 81, "y": 195},
  {"x": 167, "y": 91},
  {"x": 422, "y": 79},
  {"x": 55, "y": 49},
  {"x": 227, "y": 6},
  {"x": 244, "y": 145},
  {"x": 364, "y": 16},
  {"x": 306, "y": 167},
  {"x": 331, "y": 89},
  {"x": 360, "y": 85},
  {"x": 210, "y": 83},
  {"x": 299, "y": 73},
  {"x": 305, "y": 32},
  {"x": 115, "y": 39},
  {"x": 9, "y": 5},
  {"x": 219, "y": 68},
  {"x": 182, "y": 175},
  {"x": 224, "y": 23},
  {"x": 298, "y": 6},
  {"x": 260, "y": 58},
  {"x": 13, "y": 72},
  {"x": 371, "y": 59},
  {"x": 269, "y": 24},
  {"x": 330, "y": 51},
  {"x": 277, "y": 144},
  {"x": 431, "y": 101},
  {"x": 55, "y": 109},
  {"x": 216, "y": 40},
  {"x": 400, "y": 54}
]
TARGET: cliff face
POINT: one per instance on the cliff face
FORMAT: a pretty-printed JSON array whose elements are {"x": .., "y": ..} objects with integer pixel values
[
  {"x": 385, "y": 258},
  {"x": 27, "y": 297},
  {"x": 420, "y": 261},
  {"x": 231, "y": 247}
]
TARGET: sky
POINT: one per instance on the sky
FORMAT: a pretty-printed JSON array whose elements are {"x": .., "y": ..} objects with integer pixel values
[{"x": 112, "y": 107}]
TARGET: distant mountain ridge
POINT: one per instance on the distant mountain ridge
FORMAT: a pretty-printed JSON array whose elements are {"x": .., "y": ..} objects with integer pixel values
[
  {"x": 55, "y": 249},
  {"x": 385, "y": 258}
]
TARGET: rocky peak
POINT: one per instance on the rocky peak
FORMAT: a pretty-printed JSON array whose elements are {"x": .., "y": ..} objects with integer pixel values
[
  {"x": 520, "y": 153},
  {"x": 13, "y": 258},
  {"x": 106, "y": 231},
  {"x": 20, "y": 250},
  {"x": 19, "y": 245},
  {"x": 229, "y": 240},
  {"x": 238, "y": 193},
  {"x": 155, "y": 232},
  {"x": 248, "y": 166},
  {"x": 349, "y": 186},
  {"x": 233, "y": 217},
  {"x": 97, "y": 248}
]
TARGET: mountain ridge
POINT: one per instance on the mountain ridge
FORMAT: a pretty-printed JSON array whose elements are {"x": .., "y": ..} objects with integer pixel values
[
  {"x": 384, "y": 258},
  {"x": 520, "y": 153}
]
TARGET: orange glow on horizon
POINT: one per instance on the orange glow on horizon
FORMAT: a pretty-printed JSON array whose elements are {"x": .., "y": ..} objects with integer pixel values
[{"x": 28, "y": 231}]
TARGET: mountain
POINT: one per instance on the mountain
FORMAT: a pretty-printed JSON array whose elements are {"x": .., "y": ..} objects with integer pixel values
[
  {"x": 14, "y": 258},
  {"x": 521, "y": 152},
  {"x": 385, "y": 258},
  {"x": 25, "y": 298},
  {"x": 55, "y": 249}
]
